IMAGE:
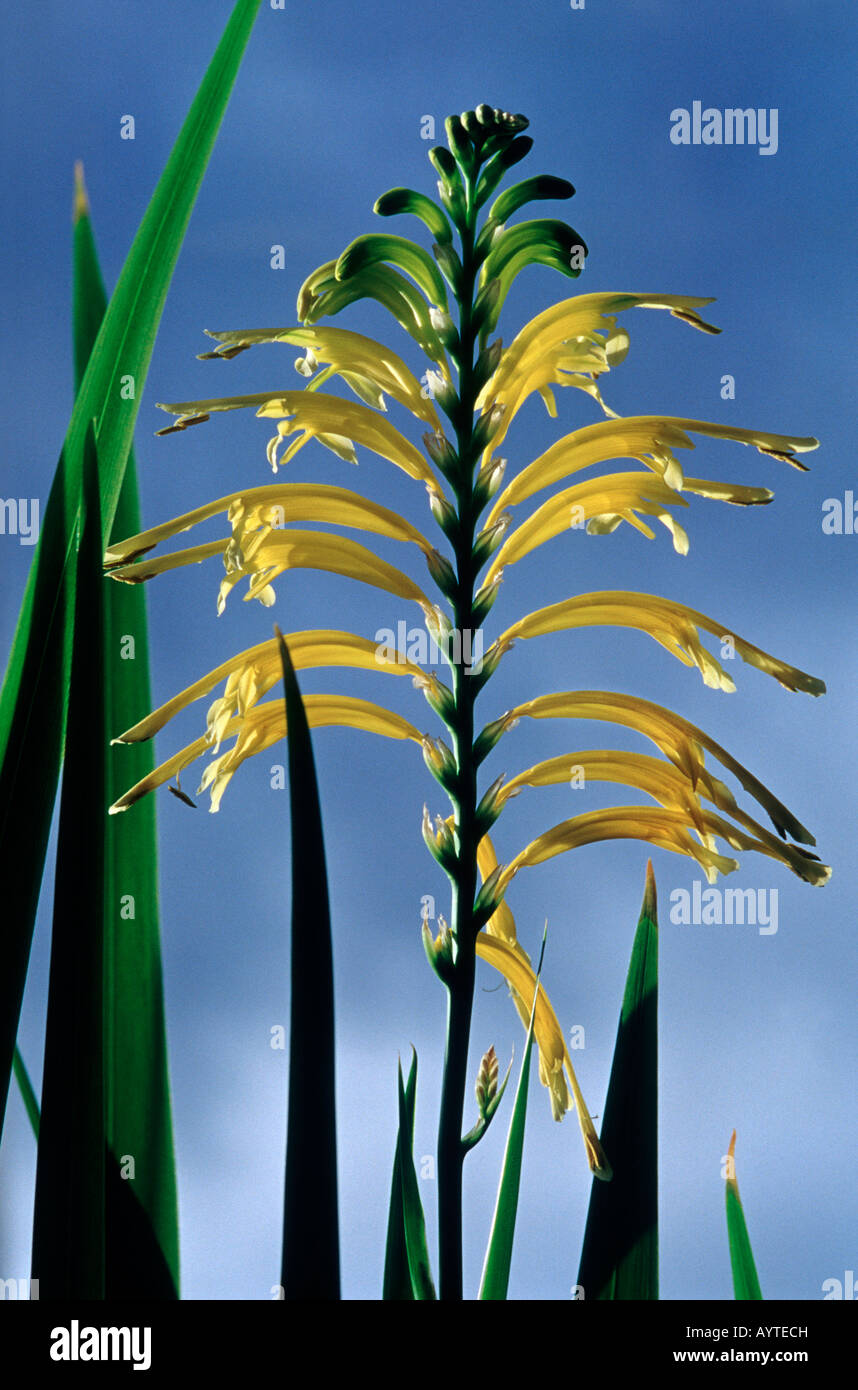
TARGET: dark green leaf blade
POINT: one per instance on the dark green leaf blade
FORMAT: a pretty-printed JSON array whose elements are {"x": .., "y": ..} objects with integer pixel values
[
  {"x": 619, "y": 1259},
  {"x": 746, "y": 1285},
  {"x": 413, "y": 1220},
  {"x": 68, "y": 1226},
  {"x": 397, "y": 1275},
  {"x": 142, "y": 1224},
  {"x": 498, "y": 1261},
  {"x": 33, "y": 698},
  {"x": 311, "y": 1258}
]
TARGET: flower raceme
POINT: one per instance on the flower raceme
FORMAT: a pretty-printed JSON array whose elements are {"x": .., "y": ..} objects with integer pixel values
[{"x": 448, "y": 303}]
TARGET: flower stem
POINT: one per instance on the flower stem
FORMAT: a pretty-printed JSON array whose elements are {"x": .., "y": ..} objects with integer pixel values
[{"x": 460, "y": 986}]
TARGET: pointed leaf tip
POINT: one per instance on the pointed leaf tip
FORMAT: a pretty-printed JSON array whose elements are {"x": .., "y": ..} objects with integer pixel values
[
  {"x": 81, "y": 201},
  {"x": 649, "y": 906}
]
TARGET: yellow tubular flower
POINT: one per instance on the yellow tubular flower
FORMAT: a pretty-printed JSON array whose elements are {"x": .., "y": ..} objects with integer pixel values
[
  {"x": 257, "y": 730},
  {"x": 327, "y": 418},
  {"x": 619, "y": 496},
  {"x": 651, "y": 440},
  {"x": 274, "y": 506},
  {"x": 271, "y": 553},
  {"x": 499, "y": 947},
  {"x": 667, "y": 828},
  {"x": 502, "y": 922},
  {"x": 346, "y": 354},
  {"x": 679, "y": 740},
  {"x": 577, "y": 335},
  {"x": 672, "y": 789},
  {"x": 253, "y": 673},
  {"x": 660, "y": 780},
  {"x": 553, "y": 1053},
  {"x": 671, "y": 624}
]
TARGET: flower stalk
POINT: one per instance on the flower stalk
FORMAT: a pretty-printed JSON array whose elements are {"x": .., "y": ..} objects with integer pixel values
[{"x": 449, "y": 306}]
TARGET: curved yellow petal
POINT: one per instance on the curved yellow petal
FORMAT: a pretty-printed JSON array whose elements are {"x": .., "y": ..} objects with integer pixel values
[
  {"x": 277, "y": 504},
  {"x": 672, "y": 624},
  {"x": 679, "y": 740},
  {"x": 553, "y": 1053},
  {"x": 263, "y": 726},
  {"x": 252, "y": 673}
]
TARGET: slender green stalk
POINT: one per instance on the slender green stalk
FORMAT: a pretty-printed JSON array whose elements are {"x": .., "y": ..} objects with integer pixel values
[{"x": 463, "y": 794}]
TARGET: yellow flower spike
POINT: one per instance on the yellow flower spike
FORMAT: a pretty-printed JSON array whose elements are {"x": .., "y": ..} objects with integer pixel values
[
  {"x": 315, "y": 414},
  {"x": 277, "y": 504},
  {"x": 679, "y": 740},
  {"x": 346, "y": 354},
  {"x": 263, "y": 726},
  {"x": 671, "y": 624},
  {"x": 313, "y": 648},
  {"x": 648, "y": 438},
  {"x": 553, "y": 1054}
]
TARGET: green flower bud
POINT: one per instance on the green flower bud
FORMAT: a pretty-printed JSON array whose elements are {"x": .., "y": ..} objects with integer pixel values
[
  {"x": 487, "y": 1081},
  {"x": 442, "y": 454},
  {"x": 490, "y": 538},
  {"x": 443, "y": 573},
  {"x": 489, "y": 736}
]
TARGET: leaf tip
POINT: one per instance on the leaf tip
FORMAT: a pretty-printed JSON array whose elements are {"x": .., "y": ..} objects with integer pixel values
[
  {"x": 81, "y": 201},
  {"x": 650, "y": 901}
]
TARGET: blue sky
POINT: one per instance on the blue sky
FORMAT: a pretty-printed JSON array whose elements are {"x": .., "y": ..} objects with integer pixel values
[{"x": 756, "y": 1032}]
